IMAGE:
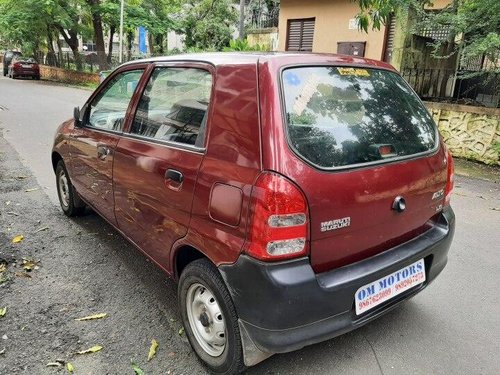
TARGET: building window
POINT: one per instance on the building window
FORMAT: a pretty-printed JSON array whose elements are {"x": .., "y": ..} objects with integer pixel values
[{"x": 300, "y": 34}]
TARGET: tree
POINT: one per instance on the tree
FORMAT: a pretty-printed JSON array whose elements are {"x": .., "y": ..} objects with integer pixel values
[
  {"x": 475, "y": 22},
  {"x": 208, "y": 24},
  {"x": 95, "y": 11}
]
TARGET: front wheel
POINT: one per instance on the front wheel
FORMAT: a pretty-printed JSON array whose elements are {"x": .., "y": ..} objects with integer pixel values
[
  {"x": 209, "y": 318},
  {"x": 70, "y": 201}
]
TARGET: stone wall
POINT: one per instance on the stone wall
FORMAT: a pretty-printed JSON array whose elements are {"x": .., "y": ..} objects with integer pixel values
[
  {"x": 469, "y": 132},
  {"x": 69, "y": 76}
]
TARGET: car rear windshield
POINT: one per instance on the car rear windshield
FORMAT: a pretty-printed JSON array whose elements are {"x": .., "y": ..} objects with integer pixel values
[{"x": 341, "y": 116}]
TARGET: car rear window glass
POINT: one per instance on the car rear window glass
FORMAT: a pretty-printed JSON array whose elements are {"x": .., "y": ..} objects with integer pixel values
[
  {"x": 174, "y": 106},
  {"x": 341, "y": 116}
]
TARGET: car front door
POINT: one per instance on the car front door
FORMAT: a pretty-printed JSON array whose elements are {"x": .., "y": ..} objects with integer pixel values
[
  {"x": 157, "y": 160},
  {"x": 93, "y": 143}
]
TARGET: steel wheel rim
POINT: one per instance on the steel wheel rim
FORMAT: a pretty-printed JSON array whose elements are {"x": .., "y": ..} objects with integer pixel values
[
  {"x": 206, "y": 319},
  {"x": 63, "y": 189}
]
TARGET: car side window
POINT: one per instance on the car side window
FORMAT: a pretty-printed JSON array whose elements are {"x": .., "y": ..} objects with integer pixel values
[
  {"x": 108, "y": 109},
  {"x": 174, "y": 106}
]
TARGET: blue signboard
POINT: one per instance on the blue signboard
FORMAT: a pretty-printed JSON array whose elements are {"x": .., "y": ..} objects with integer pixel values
[{"x": 142, "y": 40}]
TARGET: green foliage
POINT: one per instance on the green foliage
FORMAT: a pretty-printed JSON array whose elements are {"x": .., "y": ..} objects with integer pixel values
[
  {"x": 476, "y": 23},
  {"x": 208, "y": 23},
  {"x": 496, "y": 147},
  {"x": 243, "y": 45}
]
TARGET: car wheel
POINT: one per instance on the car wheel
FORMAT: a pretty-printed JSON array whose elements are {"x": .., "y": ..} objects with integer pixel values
[
  {"x": 70, "y": 201},
  {"x": 209, "y": 318}
]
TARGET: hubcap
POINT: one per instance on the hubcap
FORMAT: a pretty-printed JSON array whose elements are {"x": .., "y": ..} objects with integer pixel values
[
  {"x": 63, "y": 189},
  {"x": 206, "y": 320}
]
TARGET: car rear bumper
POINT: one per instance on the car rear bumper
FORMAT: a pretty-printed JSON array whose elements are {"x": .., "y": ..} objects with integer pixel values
[{"x": 285, "y": 306}]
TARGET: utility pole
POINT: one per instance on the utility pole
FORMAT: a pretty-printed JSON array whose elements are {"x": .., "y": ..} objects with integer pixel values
[
  {"x": 121, "y": 32},
  {"x": 242, "y": 19}
]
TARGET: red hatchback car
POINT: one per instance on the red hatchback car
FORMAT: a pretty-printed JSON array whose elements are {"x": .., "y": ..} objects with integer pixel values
[{"x": 294, "y": 197}]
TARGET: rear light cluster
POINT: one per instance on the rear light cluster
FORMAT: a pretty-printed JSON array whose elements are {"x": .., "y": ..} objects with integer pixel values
[
  {"x": 450, "y": 177},
  {"x": 279, "y": 222}
]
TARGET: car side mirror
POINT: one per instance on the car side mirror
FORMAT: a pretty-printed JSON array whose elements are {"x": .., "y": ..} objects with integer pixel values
[{"x": 76, "y": 117}]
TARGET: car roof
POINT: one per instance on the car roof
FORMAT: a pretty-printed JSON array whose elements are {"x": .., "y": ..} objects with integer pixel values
[{"x": 279, "y": 58}]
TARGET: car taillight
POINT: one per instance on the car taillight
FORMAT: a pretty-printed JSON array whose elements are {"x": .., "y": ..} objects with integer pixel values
[
  {"x": 17, "y": 65},
  {"x": 450, "y": 177},
  {"x": 279, "y": 223}
]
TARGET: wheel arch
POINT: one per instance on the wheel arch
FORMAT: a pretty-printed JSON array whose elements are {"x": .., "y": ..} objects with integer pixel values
[
  {"x": 184, "y": 255},
  {"x": 55, "y": 159}
]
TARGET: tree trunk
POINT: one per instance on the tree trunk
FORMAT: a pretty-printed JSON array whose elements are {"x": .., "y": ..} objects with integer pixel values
[
  {"x": 130, "y": 38},
  {"x": 151, "y": 42},
  {"x": 71, "y": 37},
  {"x": 112, "y": 30},
  {"x": 159, "y": 43},
  {"x": 51, "y": 54},
  {"x": 98, "y": 33}
]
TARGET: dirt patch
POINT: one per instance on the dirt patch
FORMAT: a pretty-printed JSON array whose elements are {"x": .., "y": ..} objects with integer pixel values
[{"x": 477, "y": 170}]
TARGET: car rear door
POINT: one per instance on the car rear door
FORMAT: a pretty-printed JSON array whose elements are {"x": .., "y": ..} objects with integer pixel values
[
  {"x": 366, "y": 154},
  {"x": 93, "y": 143},
  {"x": 158, "y": 158}
]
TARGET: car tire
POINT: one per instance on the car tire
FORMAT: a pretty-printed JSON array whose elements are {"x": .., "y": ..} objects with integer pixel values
[
  {"x": 206, "y": 310},
  {"x": 70, "y": 201}
]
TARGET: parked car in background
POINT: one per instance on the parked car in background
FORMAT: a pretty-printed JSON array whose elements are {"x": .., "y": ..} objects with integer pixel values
[
  {"x": 7, "y": 58},
  {"x": 294, "y": 197},
  {"x": 23, "y": 67}
]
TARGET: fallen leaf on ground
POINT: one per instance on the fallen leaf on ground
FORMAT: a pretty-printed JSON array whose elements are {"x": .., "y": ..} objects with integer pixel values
[
  {"x": 137, "y": 369},
  {"x": 4, "y": 279},
  {"x": 181, "y": 331},
  {"x": 3, "y": 267},
  {"x": 152, "y": 349},
  {"x": 54, "y": 364},
  {"x": 93, "y": 349},
  {"x": 29, "y": 264},
  {"x": 30, "y": 190},
  {"x": 69, "y": 367},
  {"x": 23, "y": 274},
  {"x": 2, "y": 351},
  {"x": 3, "y": 312},
  {"x": 18, "y": 238},
  {"x": 92, "y": 317},
  {"x": 41, "y": 229},
  {"x": 495, "y": 208},
  {"x": 21, "y": 177},
  {"x": 13, "y": 213}
]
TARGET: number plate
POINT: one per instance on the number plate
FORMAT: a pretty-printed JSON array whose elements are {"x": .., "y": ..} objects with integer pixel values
[
  {"x": 26, "y": 65},
  {"x": 387, "y": 287}
]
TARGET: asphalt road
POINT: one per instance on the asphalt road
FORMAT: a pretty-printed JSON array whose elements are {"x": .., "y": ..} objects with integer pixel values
[{"x": 453, "y": 327}]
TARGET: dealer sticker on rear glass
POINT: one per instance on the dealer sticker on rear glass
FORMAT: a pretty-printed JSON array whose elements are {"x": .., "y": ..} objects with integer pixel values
[{"x": 377, "y": 292}]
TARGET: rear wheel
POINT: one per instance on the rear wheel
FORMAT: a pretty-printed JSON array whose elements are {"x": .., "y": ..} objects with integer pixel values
[
  {"x": 70, "y": 201},
  {"x": 209, "y": 318}
]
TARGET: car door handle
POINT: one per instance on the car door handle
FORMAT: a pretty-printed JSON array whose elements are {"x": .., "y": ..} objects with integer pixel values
[
  {"x": 172, "y": 174},
  {"x": 103, "y": 152}
]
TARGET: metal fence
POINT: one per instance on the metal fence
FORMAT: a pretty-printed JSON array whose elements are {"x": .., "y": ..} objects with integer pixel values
[
  {"x": 259, "y": 18},
  {"x": 84, "y": 62},
  {"x": 466, "y": 86}
]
